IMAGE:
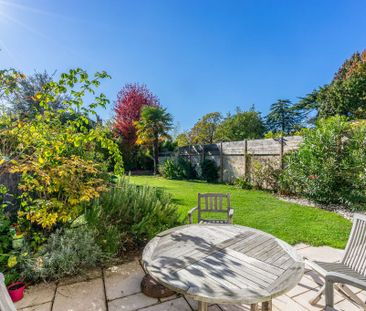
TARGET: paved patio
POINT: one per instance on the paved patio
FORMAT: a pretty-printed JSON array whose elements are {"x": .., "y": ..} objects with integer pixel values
[{"x": 118, "y": 288}]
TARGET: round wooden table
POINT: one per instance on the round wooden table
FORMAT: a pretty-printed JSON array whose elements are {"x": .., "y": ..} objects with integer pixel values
[{"x": 227, "y": 264}]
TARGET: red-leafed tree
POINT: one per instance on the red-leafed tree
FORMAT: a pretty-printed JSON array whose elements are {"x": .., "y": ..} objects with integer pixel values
[{"x": 129, "y": 103}]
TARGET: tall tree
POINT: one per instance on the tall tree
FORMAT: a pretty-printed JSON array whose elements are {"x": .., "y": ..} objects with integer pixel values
[
  {"x": 153, "y": 127},
  {"x": 203, "y": 132},
  {"x": 344, "y": 95},
  {"x": 24, "y": 99},
  {"x": 128, "y": 106},
  {"x": 183, "y": 139},
  {"x": 242, "y": 125},
  {"x": 283, "y": 117}
]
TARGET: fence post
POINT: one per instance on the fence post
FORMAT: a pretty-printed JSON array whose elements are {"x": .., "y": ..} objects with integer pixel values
[
  {"x": 245, "y": 159},
  {"x": 221, "y": 164}
]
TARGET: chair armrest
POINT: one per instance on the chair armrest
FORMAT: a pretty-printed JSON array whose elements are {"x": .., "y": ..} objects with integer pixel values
[
  {"x": 315, "y": 266},
  {"x": 335, "y": 277},
  {"x": 230, "y": 215},
  {"x": 190, "y": 214}
]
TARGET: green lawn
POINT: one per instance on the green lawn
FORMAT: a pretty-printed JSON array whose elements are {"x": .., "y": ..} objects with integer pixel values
[{"x": 290, "y": 222}]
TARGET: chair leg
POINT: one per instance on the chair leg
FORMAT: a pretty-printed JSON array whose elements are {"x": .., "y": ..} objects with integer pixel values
[
  {"x": 346, "y": 291},
  {"x": 202, "y": 306},
  {"x": 254, "y": 307},
  {"x": 267, "y": 305},
  {"x": 329, "y": 295},
  {"x": 318, "y": 296}
]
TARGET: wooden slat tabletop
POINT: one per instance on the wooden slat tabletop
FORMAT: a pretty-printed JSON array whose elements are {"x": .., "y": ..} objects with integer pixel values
[{"x": 223, "y": 263}]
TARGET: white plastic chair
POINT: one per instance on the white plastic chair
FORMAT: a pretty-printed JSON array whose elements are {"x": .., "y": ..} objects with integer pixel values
[{"x": 5, "y": 301}]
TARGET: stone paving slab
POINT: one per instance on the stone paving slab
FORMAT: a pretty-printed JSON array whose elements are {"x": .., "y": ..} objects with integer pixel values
[
  {"x": 36, "y": 295},
  {"x": 179, "y": 304},
  {"x": 304, "y": 299},
  {"x": 43, "y": 307},
  {"x": 131, "y": 303},
  {"x": 81, "y": 296},
  {"x": 123, "y": 280},
  {"x": 347, "y": 306},
  {"x": 118, "y": 288},
  {"x": 285, "y": 303},
  {"x": 84, "y": 276},
  {"x": 322, "y": 253},
  {"x": 305, "y": 284}
]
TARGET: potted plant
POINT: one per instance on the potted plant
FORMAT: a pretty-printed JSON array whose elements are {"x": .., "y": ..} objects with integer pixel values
[{"x": 16, "y": 287}]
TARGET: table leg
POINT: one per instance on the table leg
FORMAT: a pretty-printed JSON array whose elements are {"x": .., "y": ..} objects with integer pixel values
[
  {"x": 202, "y": 306},
  {"x": 267, "y": 305},
  {"x": 254, "y": 307}
]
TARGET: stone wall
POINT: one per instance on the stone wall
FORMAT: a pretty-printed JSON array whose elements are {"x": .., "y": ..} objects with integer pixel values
[{"x": 235, "y": 159}]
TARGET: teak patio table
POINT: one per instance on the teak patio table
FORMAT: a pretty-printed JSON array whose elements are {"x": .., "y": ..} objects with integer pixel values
[{"x": 226, "y": 264}]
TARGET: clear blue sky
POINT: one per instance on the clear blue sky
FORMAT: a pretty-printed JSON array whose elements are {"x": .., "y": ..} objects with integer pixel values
[{"x": 198, "y": 56}]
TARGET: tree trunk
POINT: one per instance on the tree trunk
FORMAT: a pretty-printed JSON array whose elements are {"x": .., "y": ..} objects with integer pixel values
[{"x": 156, "y": 155}]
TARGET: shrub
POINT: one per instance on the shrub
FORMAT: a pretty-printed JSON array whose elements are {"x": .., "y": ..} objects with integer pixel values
[
  {"x": 264, "y": 174},
  {"x": 243, "y": 183},
  {"x": 66, "y": 252},
  {"x": 169, "y": 169},
  {"x": 329, "y": 166},
  {"x": 61, "y": 156},
  {"x": 130, "y": 214},
  {"x": 177, "y": 169},
  {"x": 6, "y": 238},
  {"x": 8, "y": 256},
  {"x": 186, "y": 169},
  {"x": 210, "y": 170}
]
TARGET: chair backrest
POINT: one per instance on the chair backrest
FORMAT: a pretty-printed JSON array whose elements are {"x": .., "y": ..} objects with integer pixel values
[
  {"x": 213, "y": 202},
  {"x": 5, "y": 301},
  {"x": 355, "y": 254}
]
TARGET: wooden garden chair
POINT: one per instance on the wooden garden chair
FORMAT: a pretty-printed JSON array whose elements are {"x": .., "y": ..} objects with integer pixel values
[
  {"x": 350, "y": 271},
  {"x": 213, "y": 202},
  {"x": 5, "y": 301}
]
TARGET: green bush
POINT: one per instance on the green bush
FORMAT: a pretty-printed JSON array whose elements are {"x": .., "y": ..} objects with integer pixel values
[
  {"x": 265, "y": 174},
  {"x": 61, "y": 156},
  {"x": 209, "y": 170},
  {"x": 8, "y": 257},
  {"x": 130, "y": 214},
  {"x": 177, "y": 169},
  {"x": 169, "y": 169},
  {"x": 6, "y": 238},
  {"x": 66, "y": 252},
  {"x": 329, "y": 166},
  {"x": 186, "y": 169},
  {"x": 243, "y": 183}
]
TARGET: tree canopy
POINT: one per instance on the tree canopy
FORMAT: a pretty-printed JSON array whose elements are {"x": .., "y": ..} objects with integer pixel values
[
  {"x": 344, "y": 95},
  {"x": 24, "y": 100},
  {"x": 183, "y": 139},
  {"x": 283, "y": 117},
  {"x": 203, "y": 132},
  {"x": 153, "y": 126},
  {"x": 242, "y": 125},
  {"x": 62, "y": 164},
  {"x": 130, "y": 101}
]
